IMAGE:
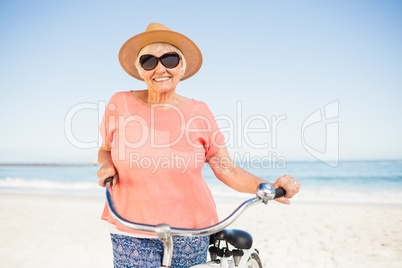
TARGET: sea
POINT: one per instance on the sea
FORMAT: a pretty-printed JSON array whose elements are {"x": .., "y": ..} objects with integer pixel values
[{"x": 372, "y": 182}]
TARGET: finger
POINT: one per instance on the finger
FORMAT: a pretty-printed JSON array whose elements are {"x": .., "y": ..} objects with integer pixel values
[
  {"x": 283, "y": 200},
  {"x": 294, "y": 188},
  {"x": 289, "y": 183},
  {"x": 115, "y": 179},
  {"x": 291, "y": 191},
  {"x": 102, "y": 179}
]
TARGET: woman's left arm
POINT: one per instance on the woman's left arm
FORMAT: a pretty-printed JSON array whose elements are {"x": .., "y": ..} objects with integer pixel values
[{"x": 243, "y": 181}]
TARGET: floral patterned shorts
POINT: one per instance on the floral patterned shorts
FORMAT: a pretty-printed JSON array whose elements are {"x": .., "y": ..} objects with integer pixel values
[{"x": 142, "y": 252}]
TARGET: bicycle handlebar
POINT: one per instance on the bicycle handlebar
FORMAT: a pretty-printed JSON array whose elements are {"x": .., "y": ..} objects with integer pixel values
[
  {"x": 279, "y": 192},
  {"x": 108, "y": 180},
  {"x": 265, "y": 193}
]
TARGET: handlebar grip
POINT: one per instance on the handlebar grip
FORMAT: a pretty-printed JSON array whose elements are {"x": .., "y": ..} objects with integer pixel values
[
  {"x": 279, "y": 192},
  {"x": 108, "y": 180}
]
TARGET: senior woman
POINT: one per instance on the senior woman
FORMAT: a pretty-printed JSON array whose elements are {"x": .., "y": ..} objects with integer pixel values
[{"x": 155, "y": 143}]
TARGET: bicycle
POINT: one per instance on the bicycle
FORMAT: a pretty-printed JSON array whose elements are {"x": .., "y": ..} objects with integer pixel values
[{"x": 242, "y": 255}]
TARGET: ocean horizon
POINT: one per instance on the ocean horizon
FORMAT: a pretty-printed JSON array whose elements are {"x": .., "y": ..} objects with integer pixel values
[{"x": 352, "y": 181}]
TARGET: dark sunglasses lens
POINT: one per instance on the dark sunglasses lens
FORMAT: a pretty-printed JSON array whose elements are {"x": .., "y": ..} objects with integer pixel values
[
  {"x": 148, "y": 62},
  {"x": 170, "y": 60}
]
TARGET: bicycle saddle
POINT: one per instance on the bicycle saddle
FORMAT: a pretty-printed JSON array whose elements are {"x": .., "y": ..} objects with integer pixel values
[{"x": 237, "y": 238}]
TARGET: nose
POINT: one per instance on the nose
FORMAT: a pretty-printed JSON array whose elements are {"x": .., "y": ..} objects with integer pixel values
[{"x": 160, "y": 67}]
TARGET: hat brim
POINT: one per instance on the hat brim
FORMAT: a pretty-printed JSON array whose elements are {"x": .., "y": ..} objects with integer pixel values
[{"x": 130, "y": 49}]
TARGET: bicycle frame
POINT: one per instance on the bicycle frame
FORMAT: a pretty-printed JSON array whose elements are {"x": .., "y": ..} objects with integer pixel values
[{"x": 165, "y": 232}]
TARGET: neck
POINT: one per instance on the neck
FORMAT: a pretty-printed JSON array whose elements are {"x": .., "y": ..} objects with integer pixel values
[{"x": 162, "y": 98}]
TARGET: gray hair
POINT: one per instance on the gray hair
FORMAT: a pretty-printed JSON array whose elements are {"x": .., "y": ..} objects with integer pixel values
[{"x": 155, "y": 48}]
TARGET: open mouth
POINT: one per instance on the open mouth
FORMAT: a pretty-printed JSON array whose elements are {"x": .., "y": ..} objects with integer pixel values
[{"x": 162, "y": 79}]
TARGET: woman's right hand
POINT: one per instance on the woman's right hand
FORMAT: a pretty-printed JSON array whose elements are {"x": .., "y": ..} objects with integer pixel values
[{"x": 107, "y": 170}]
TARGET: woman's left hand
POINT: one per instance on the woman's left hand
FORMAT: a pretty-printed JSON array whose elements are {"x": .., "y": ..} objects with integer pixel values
[{"x": 291, "y": 186}]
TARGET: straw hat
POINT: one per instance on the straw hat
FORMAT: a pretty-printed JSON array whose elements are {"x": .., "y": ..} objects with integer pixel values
[{"x": 155, "y": 33}]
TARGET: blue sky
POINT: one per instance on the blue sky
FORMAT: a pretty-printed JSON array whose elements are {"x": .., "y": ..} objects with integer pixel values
[{"x": 275, "y": 58}]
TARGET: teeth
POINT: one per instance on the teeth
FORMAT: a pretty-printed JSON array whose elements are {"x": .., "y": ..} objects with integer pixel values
[{"x": 161, "y": 79}]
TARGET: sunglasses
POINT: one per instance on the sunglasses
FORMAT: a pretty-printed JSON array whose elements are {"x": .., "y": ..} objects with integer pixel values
[{"x": 170, "y": 60}]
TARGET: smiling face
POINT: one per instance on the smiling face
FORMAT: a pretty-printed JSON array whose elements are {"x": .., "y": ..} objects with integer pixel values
[{"x": 160, "y": 79}]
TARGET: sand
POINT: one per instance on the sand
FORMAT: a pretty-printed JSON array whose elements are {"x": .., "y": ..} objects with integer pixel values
[{"x": 65, "y": 231}]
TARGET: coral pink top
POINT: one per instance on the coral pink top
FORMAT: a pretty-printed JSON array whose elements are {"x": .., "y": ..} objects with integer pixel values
[{"x": 159, "y": 155}]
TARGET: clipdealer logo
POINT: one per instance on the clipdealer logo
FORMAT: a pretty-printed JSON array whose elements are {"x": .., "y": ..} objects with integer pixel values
[{"x": 326, "y": 118}]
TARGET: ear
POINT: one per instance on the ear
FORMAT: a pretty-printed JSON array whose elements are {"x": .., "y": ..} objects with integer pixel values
[{"x": 140, "y": 73}]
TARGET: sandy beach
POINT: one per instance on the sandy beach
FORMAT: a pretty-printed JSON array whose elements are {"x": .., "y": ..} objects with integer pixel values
[{"x": 65, "y": 231}]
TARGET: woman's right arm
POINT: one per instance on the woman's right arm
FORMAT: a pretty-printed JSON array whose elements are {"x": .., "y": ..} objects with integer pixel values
[{"x": 107, "y": 167}]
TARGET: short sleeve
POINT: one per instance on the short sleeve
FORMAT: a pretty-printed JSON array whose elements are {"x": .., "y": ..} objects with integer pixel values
[{"x": 108, "y": 123}]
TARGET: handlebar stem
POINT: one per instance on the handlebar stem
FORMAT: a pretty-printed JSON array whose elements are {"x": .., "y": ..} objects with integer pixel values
[{"x": 165, "y": 235}]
